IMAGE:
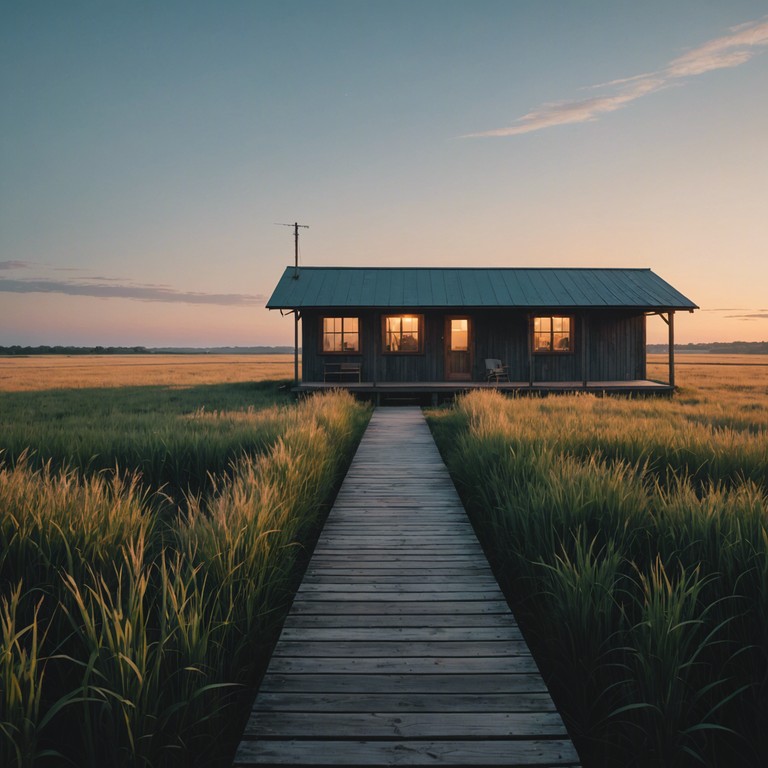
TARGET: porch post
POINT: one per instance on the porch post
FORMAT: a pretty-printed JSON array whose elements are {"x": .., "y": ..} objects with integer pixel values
[
  {"x": 584, "y": 350},
  {"x": 296, "y": 347},
  {"x": 671, "y": 315},
  {"x": 530, "y": 350}
]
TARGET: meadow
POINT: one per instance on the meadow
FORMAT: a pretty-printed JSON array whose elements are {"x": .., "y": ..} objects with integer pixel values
[
  {"x": 156, "y": 513},
  {"x": 631, "y": 538},
  {"x": 155, "y": 516}
]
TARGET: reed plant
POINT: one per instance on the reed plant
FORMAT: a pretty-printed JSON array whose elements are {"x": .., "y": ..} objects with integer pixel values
[
  {"x": 175, "y": 438},
  {"x": 632, "y": 539},
  {"x": 133, "y": 625}
]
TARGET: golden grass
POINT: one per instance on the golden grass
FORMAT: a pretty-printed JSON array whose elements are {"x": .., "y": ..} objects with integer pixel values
[
  {"x": 632, "y": 538},
  {"x": 131, "y": 627},
  {"x": 37, "y": 373},
  {"x": 728, "y": 381},
  {"x": 41, "y": 372}
]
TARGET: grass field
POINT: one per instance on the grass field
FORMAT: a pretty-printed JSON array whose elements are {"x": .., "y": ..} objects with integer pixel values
[
  {"x": 155, "y": 512},
  {"x": 631, "y": 537},
  {"x": 41, "y": 372},
  {"x": 153, "y": 525}
]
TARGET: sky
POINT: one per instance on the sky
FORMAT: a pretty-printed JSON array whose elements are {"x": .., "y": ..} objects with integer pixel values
[{"x": 148, "y": 151}]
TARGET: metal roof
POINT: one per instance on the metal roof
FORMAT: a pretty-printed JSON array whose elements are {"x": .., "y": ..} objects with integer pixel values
[{"x": 521, "y": 287}]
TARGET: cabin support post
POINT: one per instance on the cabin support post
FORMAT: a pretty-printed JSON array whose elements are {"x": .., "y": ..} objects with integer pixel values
[
  {"x": 296, "y": 347},
  {"x": 530, "y": 350},
  {"x": 671, "y": 324},
  {"x": 584, "y": 350}
]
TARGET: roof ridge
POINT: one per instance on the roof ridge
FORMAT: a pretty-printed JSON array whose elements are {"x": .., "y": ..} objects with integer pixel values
[
  {"x": 499, "y": 287},
  {"x": 443, "y": 269}
]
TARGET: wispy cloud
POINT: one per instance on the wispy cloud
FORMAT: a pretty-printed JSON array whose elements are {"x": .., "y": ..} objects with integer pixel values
[
  {"x": 743, "y": 310},
  {"x": 751, "y": 316},
  {"x": 738, "y": 46},
  {"x": 14, "y": 265},
  {"x": 114, "y": 289}
]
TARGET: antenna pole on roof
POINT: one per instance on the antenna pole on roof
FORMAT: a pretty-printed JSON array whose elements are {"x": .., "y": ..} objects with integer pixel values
[{"x": 296, "y": 227}]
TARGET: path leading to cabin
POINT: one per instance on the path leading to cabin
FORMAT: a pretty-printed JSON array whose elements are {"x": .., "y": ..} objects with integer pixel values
[{"x": 399, "y": 648}]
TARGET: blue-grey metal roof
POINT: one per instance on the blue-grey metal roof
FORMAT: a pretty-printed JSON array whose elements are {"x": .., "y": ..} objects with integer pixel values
[{"x": 521, "y": 287}]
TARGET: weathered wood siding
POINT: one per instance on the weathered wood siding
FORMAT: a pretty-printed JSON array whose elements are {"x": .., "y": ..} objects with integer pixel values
[{"x": 615, "y": 346}]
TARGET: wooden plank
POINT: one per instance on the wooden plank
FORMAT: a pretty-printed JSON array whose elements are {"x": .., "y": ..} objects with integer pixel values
[
  {"x": 479, "y": 684},
  {"x": 404, "y": 665},
  {"x": 374, "y": 635},
  {"x": 399, "y": 725},
  {"x": 407, "y": 555},
  {"x": 390, "y": 592},
  {"x": 386, "y": 648},
  {"x": 330, "y": 582},
  {"x": 401, "y": 620},
  {"x": 387, "y": 575},
  {"x": 496, "y": 752},
  {"x": 413, "y": 607},
  {"x": 337, "y": 580},
  {"x": 394, "y": 702}
]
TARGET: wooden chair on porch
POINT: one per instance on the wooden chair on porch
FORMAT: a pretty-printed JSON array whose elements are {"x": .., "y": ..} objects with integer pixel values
[{"x": 495, "y": 371}]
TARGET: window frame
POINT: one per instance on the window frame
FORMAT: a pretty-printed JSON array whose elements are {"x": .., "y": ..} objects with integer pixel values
[
  {"x": 358, "y": 351},
  {"x": 420, "y": 331},
  {"x": 552, "y": 350}
]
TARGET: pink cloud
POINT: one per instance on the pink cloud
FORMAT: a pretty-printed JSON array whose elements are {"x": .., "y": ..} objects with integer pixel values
[{"x": 740, "y": 45}]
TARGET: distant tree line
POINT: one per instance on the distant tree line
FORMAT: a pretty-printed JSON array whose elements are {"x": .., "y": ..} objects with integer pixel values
[
  {"x": 16, "y": 349},
  {"x": 59, "y": 350},
  {"x": 717, "y": 347}
]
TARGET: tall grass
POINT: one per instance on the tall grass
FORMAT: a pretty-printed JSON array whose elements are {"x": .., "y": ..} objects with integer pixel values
[
  {"x": 134, "y": 627},
  {"x": 168, "y": 437},
  {"x": 633, "y": 541}
]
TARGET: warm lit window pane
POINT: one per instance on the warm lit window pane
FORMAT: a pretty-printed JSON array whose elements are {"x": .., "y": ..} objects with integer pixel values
[
  {"x": 552, "y": 334},
  {"x": 459, "y": 335},
  {"x": 541, "y": 342},
  {"x": 341, "y": 334},
  {"x": 409, "y": 343},
  {"x": 402, "y": 333},
  {"x": 350, "y": 340}
]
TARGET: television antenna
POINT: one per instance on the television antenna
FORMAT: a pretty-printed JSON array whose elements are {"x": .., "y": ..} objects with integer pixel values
[{"x": 296, "y": 226}]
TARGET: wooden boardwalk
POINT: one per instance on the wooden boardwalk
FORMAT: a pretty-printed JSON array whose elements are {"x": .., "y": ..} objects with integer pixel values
[{"x": 400, "y": 648}]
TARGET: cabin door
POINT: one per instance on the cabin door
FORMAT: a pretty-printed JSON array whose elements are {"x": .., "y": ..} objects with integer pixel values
[{"x": 458, "y": 348}]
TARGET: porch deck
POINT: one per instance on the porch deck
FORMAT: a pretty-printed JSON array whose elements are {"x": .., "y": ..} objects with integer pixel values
[{"x": 443, "y": 390}]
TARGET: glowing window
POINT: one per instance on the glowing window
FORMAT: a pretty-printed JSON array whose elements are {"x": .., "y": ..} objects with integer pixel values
[
  {"x": 552, "y": 334},
  {"x": 341, "y": 334},
  {"x": 403, "y": 333},
  {"x": 459, "y": 334}
]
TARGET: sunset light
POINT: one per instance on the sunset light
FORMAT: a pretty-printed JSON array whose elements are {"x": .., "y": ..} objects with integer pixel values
[{"x": 146, "y": 156}]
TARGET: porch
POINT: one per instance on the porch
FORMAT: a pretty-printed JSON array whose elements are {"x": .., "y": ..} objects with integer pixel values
[{"x": 435, "y": 392}]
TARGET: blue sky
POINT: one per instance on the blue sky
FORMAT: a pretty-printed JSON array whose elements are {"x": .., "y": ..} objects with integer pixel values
[{"x": 148, "y": 148}]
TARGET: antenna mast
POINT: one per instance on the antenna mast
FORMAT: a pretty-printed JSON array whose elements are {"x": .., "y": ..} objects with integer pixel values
[{"x": 296, "y": 227}]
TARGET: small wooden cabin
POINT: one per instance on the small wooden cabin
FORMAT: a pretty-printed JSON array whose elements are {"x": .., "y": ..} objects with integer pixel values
[{"x": 376, "y": 326}]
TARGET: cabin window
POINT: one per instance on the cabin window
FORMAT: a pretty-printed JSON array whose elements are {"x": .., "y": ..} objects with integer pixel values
[
  {"x": 403, "y": 333},
  {"x": 552, "y": 334},
  {"x": 341, "y": 334}
]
